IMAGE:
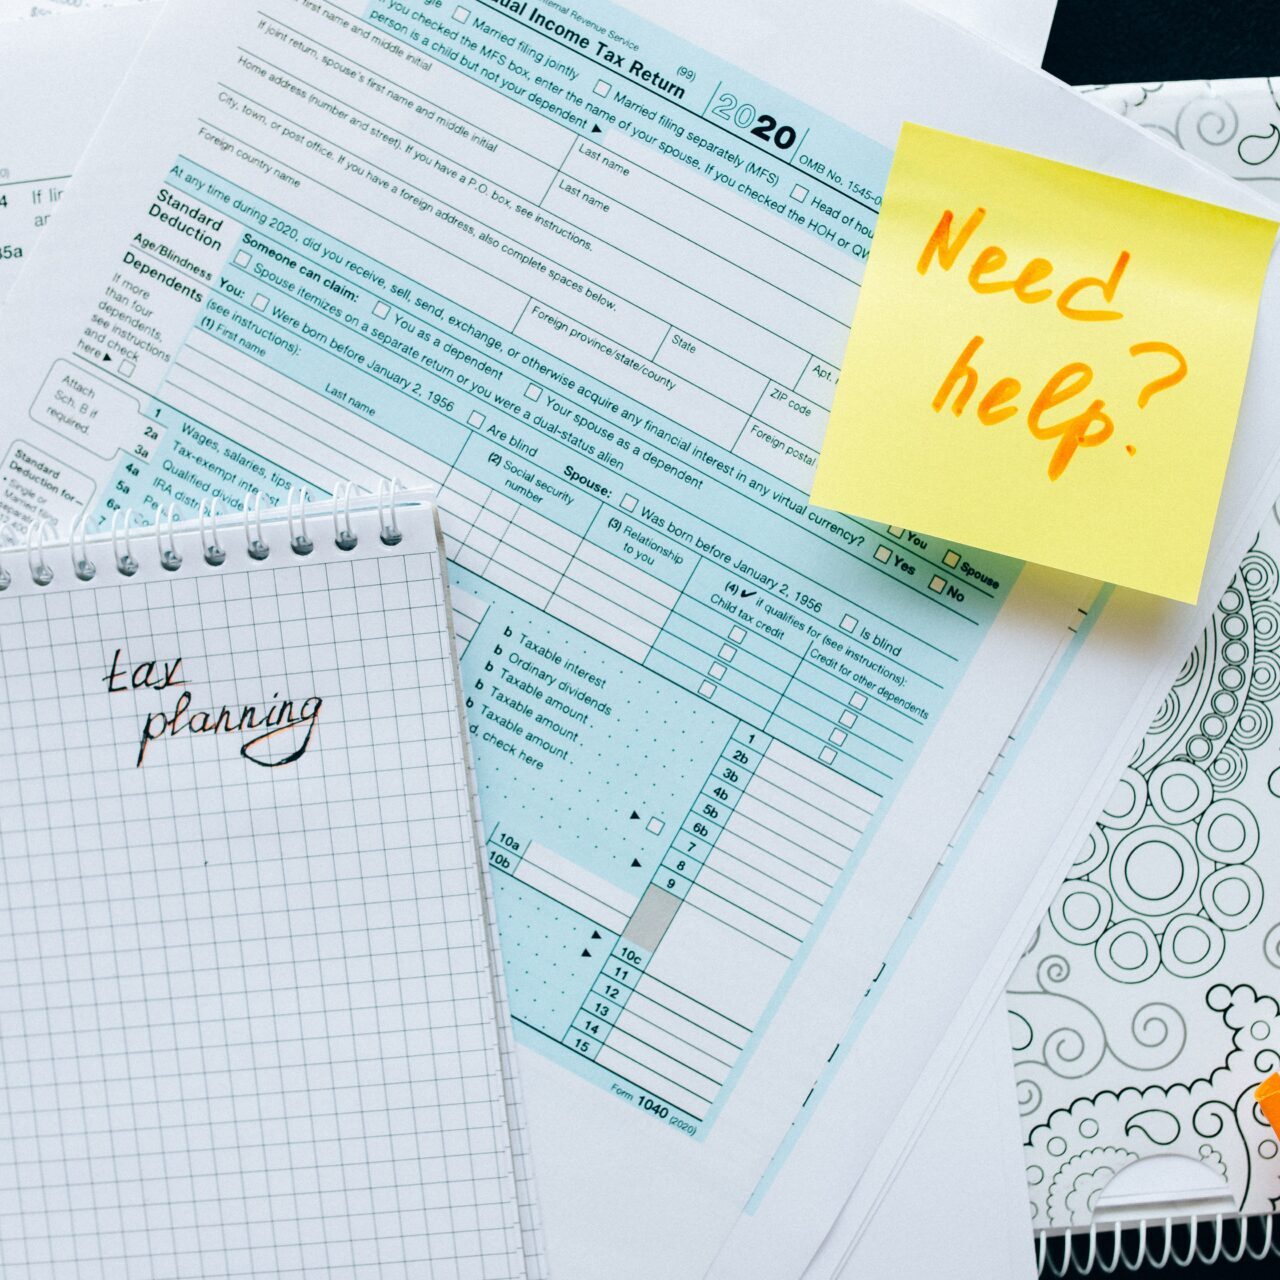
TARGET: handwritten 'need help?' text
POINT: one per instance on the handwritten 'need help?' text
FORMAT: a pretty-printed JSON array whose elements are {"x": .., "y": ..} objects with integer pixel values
[{"x": 1078, "y": 300}]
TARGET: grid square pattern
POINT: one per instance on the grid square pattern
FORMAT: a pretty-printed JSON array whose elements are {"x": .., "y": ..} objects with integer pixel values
[{"x": 247, "y": 1014}]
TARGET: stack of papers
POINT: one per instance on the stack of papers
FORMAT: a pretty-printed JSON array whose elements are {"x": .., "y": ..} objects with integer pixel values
[{"x": 771, "y": 797}]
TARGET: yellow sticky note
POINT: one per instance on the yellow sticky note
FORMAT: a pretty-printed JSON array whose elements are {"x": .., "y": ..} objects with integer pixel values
[{"x": 1046, "y": 363}]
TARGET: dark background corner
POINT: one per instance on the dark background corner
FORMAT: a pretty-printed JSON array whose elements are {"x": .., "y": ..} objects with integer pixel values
[{"x": 1110, "y": 41}]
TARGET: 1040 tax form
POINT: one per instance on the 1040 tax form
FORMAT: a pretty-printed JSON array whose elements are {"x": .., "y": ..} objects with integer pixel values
[{"x": 595, "y": 283}]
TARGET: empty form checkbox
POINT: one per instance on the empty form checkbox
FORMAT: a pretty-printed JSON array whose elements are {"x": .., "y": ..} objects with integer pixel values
[
  {"x": 737, "y": 635},
  {"x": 475, "y": 418},
  {"x": 260, "y": 302},
  {"x": 533, "y": 392},
  {"x": 460, "y": 14},
  {"x": 883, "y": 554},
  {"x": 629, "y": 502},
  {"x": 838, "y": 736},
  {"x": 828, "y": 754},
  {"x": 848, "y": 719},
  {"x": 859, "y": 700},
  {"x": 603, "y": 88},
  {"x": 799, "y": 192},
  {"x": 728, "y": 652},
  {"x": 896, "y": 531},
  {"x": 951, "y": 559},
  {"x": 654, "y": 826},
  {"x": 706, "y": 688},
  {"x": 243, "y": 258},
  {"x": 717, "y": 671},
  {"x": 847, "y": 622},
  {"x": 381, "y": 310},
  {"x": 936, "y": 583}
]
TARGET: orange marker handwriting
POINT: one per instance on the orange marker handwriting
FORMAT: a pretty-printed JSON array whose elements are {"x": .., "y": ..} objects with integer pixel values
[{"x": 1087, "y": 425}]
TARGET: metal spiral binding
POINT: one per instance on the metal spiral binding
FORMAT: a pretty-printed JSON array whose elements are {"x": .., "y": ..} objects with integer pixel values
[
  {"x": 119, "y": 539},
  {"x": 1145, "y": 1255}
]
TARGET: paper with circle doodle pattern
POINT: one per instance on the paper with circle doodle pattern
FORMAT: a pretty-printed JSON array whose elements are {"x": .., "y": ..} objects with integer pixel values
[{"x": 1148, "y": 1006}]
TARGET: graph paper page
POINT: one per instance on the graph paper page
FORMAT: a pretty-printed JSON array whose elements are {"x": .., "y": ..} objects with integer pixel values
[{"x": 247, "y": 1008}]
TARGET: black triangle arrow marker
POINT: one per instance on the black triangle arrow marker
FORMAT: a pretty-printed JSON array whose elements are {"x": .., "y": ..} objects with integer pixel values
[
  {"x": 585, "y": 952},
  {"x": 595, "y": 128},
  {"x": 106, "y": 359},
  {"x": 635, "y": 817},
  {"x": 635, "y": 862},
  {"x": 595, "y": 935}
]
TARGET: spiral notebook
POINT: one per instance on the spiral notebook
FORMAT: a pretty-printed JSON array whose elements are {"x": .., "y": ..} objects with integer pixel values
[
  {"x": 1147, "y": 1008},
  {"x": 248, "y": 1015}
]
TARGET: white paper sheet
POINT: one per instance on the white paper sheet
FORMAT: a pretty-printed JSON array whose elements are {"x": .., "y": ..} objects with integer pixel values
[
  {"x": 959, "y": 1207},
  {"x": 55, "y": 125},
  {"x": 11, "y": 9},
  {"x": 1021, "y": 27},
  {"x": 186, "y": 380},
  {"x": 56, "y": 82}
]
